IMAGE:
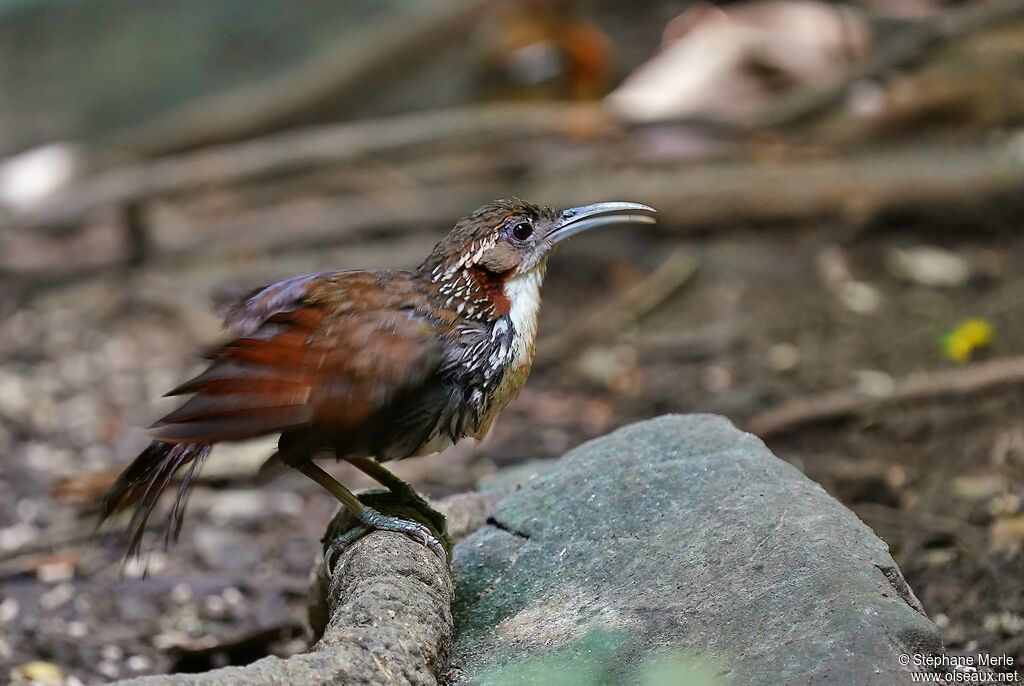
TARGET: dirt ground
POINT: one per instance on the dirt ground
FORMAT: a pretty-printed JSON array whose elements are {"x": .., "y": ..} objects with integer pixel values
[{"x": 939, "y": 479}]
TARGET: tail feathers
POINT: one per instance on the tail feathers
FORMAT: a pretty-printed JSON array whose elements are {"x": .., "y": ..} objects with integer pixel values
[{"x": 145, "y": 479}]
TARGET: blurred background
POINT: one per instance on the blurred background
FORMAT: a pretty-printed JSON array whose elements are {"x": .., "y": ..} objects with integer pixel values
[{"x": 837, "y": 268}]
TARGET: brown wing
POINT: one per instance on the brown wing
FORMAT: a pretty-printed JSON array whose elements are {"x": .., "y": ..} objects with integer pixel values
[
  {"x": 250, "y": 312},
  {"x": 351, "y": 344}
]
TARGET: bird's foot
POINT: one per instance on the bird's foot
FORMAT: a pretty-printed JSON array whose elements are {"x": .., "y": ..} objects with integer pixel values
[
  {"x": 409, "y": 497},
  {"x": 372, "y": 520}
]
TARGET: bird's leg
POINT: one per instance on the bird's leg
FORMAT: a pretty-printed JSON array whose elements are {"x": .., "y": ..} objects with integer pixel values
[
  {"x": 369, "y": 518},
  {"x": 400, "y": 487},
  {"x": 385, "y": 477}
]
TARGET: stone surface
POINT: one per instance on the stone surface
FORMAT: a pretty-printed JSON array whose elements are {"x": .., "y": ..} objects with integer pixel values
[{"x": 681, "y": 537}]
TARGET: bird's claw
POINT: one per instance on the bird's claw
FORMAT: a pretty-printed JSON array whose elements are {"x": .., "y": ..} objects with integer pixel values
[
  {"x": 343, "y": 541},
  {"x": 372, "y": 520}
]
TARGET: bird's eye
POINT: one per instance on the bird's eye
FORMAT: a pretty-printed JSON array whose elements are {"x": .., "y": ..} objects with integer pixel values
[{"x": 522, "y": 231}]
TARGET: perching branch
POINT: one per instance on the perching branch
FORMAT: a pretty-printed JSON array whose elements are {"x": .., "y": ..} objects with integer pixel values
[
  {"x": 390, "y": 601},
  {"x": 389, "y": 617}
]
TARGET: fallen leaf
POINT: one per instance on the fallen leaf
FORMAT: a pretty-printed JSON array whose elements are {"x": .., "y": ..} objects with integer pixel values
[{"x": 969, "y": 336}]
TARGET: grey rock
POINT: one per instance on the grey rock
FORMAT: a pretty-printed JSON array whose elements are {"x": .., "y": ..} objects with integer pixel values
[
  {"x": 514, "y": 476},
  {"x": 681, "y": 537}
]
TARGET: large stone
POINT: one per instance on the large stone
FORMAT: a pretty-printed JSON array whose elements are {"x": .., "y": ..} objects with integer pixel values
[{"x": 676, "y": 541}]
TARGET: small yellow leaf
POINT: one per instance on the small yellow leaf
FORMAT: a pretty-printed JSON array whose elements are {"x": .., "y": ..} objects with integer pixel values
[
  {"x": 969, "y": 336},
  {"x": 977, "y": 332},
  {"x": 957, "y": 349}
]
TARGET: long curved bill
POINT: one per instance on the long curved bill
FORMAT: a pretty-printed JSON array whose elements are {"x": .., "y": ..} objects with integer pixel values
[{"x": 578, "y": 219}]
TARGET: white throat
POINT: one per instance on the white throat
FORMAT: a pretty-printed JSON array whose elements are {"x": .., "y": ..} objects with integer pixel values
[{"x": 523, "y": 293}]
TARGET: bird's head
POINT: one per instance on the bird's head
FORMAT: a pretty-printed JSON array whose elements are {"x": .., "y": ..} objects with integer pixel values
[
  {"x": 490, "y": 254},
  {"x": 514, "y": 237}
]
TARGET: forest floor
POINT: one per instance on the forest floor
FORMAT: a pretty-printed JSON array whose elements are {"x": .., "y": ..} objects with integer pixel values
[{"x": 761, "y": 322}]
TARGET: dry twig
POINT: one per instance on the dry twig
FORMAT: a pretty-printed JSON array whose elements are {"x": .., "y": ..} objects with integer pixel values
[
  {"x": 959, "y": 382},
  {"x": 921, "y": 522},
  {"x": 717, "y": 193},
  {"x": 299, "y": 150}
]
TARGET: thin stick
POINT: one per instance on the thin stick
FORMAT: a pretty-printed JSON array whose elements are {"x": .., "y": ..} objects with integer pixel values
[
  {"x": 916, "y": 525},
  {"x": 719, "y": 193},
  {"x": 294, "y": 151},
  {"x": 964, "y": 381}
]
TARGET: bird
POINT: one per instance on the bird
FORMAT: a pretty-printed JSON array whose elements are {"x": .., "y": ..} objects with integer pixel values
[{"x": 367, "y": 366}]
